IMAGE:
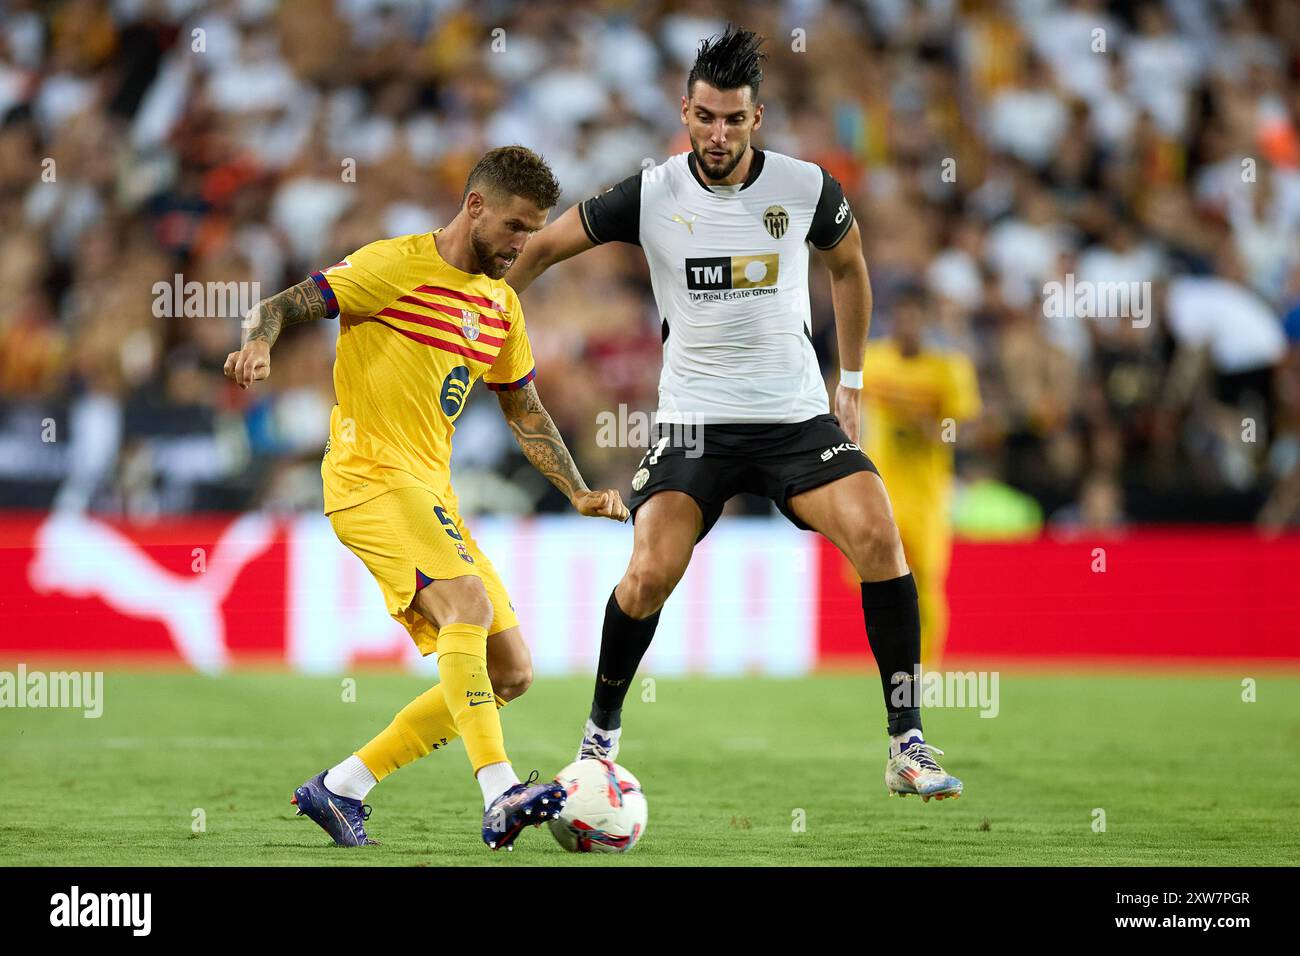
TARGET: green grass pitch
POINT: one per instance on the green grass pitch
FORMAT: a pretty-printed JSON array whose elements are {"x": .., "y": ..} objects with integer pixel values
[{"x": 1185, "y": 772}]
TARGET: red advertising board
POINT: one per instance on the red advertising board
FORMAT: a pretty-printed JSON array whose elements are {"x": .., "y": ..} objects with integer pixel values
[
  {"x": 1159, "y": 594},
  {"x": 219, "y": 591}
]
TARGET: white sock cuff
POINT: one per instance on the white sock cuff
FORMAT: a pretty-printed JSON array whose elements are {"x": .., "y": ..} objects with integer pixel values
[
  {"x": 495, "y": 779},
  {"x": 351, "y": 778},
  {"x": 593, "y": 729}
]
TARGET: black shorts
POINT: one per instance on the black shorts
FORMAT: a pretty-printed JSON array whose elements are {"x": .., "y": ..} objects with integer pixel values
[
  {"x": 713, "y": 463},
  {"x": 1231, "y": 387}
]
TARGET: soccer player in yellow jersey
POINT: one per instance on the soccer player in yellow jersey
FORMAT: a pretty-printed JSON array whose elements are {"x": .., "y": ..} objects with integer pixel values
[
  {"x": 914, "y": 397},
  {"x": 420, "y": 319}
]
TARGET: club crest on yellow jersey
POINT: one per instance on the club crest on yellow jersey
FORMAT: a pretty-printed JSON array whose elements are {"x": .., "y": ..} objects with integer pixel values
[{"x": 469, "y": 324}]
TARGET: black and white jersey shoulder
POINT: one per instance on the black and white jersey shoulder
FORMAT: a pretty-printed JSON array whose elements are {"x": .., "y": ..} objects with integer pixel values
[{"x": 729, "y": 268}]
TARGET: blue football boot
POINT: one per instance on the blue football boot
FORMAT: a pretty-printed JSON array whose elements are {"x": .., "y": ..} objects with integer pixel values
[
  {"x": 341, "y": 817},
  {"x": 525, "y": 804}
]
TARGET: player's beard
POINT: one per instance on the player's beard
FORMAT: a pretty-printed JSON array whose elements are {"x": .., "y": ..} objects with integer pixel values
[
  {"x": 715, "y": 172},
  {"x": 488, "y": 263}
]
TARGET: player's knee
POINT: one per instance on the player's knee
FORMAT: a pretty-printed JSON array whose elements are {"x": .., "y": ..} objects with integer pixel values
[
  {"x": 511, "y": 681},
  {"x": 877, "y": 544},
  {"x": 468, "y": 603},
  {"x": 478, "y": 610},
  {"x": 644, "y": 590}
]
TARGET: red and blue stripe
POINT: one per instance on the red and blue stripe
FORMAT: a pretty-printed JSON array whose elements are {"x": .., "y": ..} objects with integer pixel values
[
  {"x": 331, "y": 300},
  {"x": 511, "y": 386}
]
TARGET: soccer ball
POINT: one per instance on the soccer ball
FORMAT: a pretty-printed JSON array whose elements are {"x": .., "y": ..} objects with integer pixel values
[{"x": 605, "y": 811}]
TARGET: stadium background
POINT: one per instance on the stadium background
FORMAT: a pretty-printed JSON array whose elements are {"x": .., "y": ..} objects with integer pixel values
[{"x": 169, "y": 516}]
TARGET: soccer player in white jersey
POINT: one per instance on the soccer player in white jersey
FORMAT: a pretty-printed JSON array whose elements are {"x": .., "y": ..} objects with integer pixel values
[{"x": 726, "y": 229}]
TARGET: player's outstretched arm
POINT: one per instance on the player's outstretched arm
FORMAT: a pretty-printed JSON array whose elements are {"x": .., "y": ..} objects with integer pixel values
[
  {"x": 263, "y": 325},
  {"x": 542, "y": 445},
  {"x": 851, "y": 297},
  {"x": 561, "y": 240}
]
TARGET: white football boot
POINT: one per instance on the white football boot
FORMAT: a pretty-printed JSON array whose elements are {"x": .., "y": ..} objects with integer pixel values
[{"x": 913, "y": 770}]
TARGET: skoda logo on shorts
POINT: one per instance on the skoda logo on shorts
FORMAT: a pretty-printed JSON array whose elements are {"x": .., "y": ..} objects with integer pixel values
[{"x": 454, "y": 389}]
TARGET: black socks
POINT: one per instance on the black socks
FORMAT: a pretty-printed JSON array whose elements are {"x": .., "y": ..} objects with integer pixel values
[
  {"x": 623, "y": 643},
  {"x": 894, "y": 632}
]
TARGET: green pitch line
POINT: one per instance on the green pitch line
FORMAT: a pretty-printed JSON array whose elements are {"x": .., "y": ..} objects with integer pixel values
[{"x": 1184, "y": 771}]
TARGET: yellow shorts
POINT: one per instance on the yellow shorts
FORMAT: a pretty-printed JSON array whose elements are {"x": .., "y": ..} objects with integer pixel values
[{"x": 407, "y": 537}]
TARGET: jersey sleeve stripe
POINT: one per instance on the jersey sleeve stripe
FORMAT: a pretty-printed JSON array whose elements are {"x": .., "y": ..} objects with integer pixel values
[
  {"x": 838, "y": 239},
  {"x": 331, "y": 300},
  {"x": 436, "y": 323},
  {"x": 511, "y": 386},
  {"x": 586, "y": 226},
  {"x": 435, "y": 343},
  {"x": 454, "y": 312},
  {"x": 463, "y": 297}
]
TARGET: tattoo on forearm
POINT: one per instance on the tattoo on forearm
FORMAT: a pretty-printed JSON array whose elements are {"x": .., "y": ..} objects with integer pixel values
[
  {"x": 300, "y": 303},
  {"x": 540, "y": 440}
]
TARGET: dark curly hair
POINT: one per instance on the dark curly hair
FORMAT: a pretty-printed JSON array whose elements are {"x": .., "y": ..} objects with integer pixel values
[{"x": 517, "y": 171}]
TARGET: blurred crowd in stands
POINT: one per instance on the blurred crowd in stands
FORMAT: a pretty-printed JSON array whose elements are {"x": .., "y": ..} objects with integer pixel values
[{"x": 989, "y": 149}]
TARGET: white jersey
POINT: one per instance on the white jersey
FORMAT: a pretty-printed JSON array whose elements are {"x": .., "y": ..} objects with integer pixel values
[{"x": 729, "y": 268}]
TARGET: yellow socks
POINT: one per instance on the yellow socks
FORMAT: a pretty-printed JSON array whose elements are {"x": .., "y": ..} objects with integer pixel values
[
  {"x": 462, "y": 662},
  {"x": 424, "y": 725},
  {"x": 421, "y": 726}
]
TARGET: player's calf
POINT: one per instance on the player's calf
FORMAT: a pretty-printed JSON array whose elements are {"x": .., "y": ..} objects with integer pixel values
[
  {"x": 668, "y": 525},
  {"x": 510, "y": 665},
  {"x": 624, "y": 641},
  {"x": 509, "y": 683}
]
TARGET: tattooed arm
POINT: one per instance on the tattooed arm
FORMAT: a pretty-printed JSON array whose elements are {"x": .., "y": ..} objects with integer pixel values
[
  {"x": 263, "y": 324},
  {"x": 542, "y": 445}
]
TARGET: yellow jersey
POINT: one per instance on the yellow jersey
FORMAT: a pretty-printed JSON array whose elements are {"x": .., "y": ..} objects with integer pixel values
[
  {"x": 415, "y": 333},
  {"x": 907, "y": 400}
]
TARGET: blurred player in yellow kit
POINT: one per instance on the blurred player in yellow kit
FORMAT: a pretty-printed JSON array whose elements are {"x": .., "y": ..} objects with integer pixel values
[
  {"x": 421, "y": 318},
  {"x": 914, "y": 397}
]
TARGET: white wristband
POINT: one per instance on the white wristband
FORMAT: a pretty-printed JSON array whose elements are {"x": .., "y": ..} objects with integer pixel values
[{"x": 850, "y": 379}]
